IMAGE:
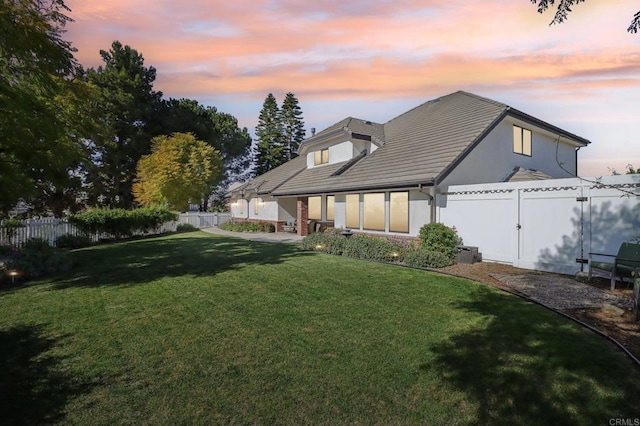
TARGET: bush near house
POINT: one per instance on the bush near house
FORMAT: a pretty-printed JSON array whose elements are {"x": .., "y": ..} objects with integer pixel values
[
  {"x": 440, "y": 238},
  {"x": 248, "y": 227},
  {"x": 382, "y": 249}
]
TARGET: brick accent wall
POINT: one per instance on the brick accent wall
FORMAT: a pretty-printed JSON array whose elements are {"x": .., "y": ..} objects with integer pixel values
[{"x": 302, "y": 216}]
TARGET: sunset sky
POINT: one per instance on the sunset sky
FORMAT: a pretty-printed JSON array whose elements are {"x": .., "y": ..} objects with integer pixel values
[{"x": 375, "y": 59}]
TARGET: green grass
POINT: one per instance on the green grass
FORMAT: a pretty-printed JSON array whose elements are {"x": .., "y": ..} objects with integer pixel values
[{"x": 200, "y": 329}]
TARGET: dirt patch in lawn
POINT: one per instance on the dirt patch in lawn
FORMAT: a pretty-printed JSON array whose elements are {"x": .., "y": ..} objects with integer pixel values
[{"x": 609, "y": 319}]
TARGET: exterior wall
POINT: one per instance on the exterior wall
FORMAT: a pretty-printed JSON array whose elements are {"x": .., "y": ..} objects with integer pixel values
[
  {"x": 341, "y": 151},
  {"x": 419, "y": 214},
  {"x": 493, "y": 159},
  {"x": 545, "y": 225},
  {"x": 286, "y": 209},
  {"x": 268, "y": 210}
]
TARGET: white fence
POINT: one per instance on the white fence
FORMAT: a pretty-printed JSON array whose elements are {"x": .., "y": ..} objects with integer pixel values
[
  {"x": 50, "y": 228},
  {"x": 547, "y": 225}
]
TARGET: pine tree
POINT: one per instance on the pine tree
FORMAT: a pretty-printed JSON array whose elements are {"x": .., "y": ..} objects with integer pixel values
[
  {"x": 292, "y": 126},
  {"x": 270, "y": 147}
]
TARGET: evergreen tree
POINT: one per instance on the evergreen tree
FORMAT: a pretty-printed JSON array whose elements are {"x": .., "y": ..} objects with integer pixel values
[
  {"x": 270, "y": 147},
  {"x": 129, "y": 112},
  {"x": 292, "y": 126}
]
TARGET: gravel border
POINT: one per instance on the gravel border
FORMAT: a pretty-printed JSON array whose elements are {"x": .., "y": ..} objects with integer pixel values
[{"x": 562, "y": 293}]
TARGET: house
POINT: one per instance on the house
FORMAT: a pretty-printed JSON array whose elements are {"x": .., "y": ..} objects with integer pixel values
[{"x": 388, "y": 178}]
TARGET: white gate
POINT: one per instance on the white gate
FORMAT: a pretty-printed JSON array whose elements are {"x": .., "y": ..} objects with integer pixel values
[{"x": 545, "y": 225}]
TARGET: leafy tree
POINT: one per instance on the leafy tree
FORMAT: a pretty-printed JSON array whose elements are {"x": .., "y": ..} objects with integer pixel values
[
  {"x": 564, "y": 7},
  {"x": 43, "y": 106},
  {"x": 269, "y": 152},
  {"x": 293, "y": 126},
  {"x": 179, "y": 171},
  {"x": 129, "y": 109},
  {"x": 219, "y": 130},
  {"x": 629, "y": 170}
]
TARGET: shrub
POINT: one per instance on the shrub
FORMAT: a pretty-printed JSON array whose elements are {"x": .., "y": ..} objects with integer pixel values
[
  {"x": 324, "y": 242},
  {"x": 373, "y": 248},
  {"x": 248, "y": 227},
  {"x": 439, "y": 237},
  {"x": 69, "y": 241},
  {"x": 426, "y": 258},
  {"x": 37, "y": 259},
  {"x": 121, "y": 223},
  {"x": 186, "y": 227}
]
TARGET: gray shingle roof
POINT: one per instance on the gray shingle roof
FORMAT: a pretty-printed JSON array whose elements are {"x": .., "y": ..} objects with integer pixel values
[
  {"x": 520, "y": 174},
  {"x": 421, "y": 146},
  {"x": 272, "y": 179},
  {"x": 349, "y": 125}
]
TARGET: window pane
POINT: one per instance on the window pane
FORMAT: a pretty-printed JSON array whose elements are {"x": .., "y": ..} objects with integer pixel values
[
  {"x": 353, "y": 211},
  {"x": 517, "y": 140},
  {"x": 315, "y": 206},
  {"x": 331, "y": 202},
  {"x": 374, "y": 211},
  {"x": 399, "y": 212},
  {"x": 325, "y": 156},
  {"x": 526, "y": 142},
  {"x": 317, "y": 158}
]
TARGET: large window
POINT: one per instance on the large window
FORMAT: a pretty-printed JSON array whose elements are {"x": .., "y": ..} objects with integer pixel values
[
  {"x": 321, "y": 157},
  {"x": 331, "y": 209},
  {"x": 399, "y": 212},
  {"x": 521, "y": 141},
  {"x": 373, "y": 205},
  {"x": 353, "y": 211},
  {"x": 315, "y": 208}
]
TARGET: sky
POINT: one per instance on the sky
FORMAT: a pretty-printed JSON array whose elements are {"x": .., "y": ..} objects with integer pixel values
[{"x": 376, "y": 59}]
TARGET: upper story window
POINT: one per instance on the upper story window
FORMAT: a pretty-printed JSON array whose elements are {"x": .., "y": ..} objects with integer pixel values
[
  {"x": 321, "y": 157},
  {"x": 521, "y": 141}
]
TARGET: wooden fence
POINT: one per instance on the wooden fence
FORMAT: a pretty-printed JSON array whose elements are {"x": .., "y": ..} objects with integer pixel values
[{"x": 51, "y": 228}]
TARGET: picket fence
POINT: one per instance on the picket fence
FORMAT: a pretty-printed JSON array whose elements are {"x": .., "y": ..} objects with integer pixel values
[{"x": 51, "y": 228}]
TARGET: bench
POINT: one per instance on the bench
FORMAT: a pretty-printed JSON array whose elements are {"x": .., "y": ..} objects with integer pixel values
[{"x": 625, "y": 264}]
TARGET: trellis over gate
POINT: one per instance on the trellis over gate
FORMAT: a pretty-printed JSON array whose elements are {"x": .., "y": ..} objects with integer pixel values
[{"x": 549, "y": 225}]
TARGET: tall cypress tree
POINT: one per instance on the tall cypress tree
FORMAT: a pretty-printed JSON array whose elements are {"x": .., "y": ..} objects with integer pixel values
[
  {"x": 270, "y": 147},
  {"x": 292, "y": 126}
]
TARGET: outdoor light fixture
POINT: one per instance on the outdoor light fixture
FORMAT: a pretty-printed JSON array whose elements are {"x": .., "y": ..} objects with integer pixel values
[
  {"x": 318, "y": 246},
  {"x": 394, "y": 254},
  {"x": 13, "y": 275}
]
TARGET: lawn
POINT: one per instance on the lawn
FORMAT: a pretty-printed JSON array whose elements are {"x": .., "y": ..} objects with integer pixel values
[{"x": 201, "y": 329}]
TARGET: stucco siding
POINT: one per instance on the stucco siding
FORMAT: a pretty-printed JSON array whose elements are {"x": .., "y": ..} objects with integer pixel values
[{"x": 493, "y": 159}]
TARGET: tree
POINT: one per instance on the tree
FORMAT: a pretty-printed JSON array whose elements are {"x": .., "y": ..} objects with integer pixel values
[
  {"x": 270, "y": 147},
  {"x": 293, "y": 126},
  {"x": 179, "y": 170},
  {"x": 219, "y": 130},
  {"x": 629, "y": 170},
  {"x": 564, "y": 7},
  {"x": 43, "y": 105},
  {"x": 129, "y": 110}
]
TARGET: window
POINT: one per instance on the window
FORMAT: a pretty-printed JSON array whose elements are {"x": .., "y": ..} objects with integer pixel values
[
  {"x": 331, "y": 203},
  {"x": 321, "y": 157},
  {"x": 374, "y": 211},
  {"x": 315, "y": 208},
  {"x": 521, "y": 141},
  {"x": 256, "y": 206},
  {"x": 353, "y": 211},
  {"x": 399, "y": 212}
]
